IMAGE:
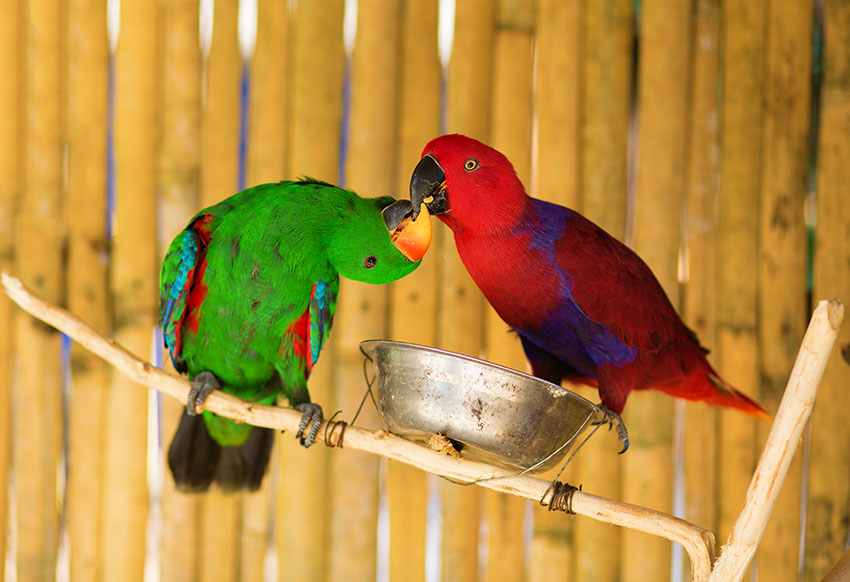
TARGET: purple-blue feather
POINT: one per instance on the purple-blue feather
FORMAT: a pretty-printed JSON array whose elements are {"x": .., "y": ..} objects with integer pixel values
[{"x": 567, "y": 331}]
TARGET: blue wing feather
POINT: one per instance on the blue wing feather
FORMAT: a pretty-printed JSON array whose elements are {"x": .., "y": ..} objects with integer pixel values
[
  {"x": 322, "y": 307},
  {"x": 176, "y": 278}
]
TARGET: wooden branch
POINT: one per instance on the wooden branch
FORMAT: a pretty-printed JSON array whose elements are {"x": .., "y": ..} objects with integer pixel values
[
  {"x": 841, "y": 571},
  {"x": 794, "y": 411},
  {"x": 698, "y": 542}
]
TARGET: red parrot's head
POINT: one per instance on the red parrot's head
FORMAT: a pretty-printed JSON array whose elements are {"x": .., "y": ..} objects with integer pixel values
[{"x": 467, "y": 184}]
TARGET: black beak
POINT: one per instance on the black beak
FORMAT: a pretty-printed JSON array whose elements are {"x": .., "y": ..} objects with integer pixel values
[
  {"x": 396, "y": 212},
  {"x": 428, "y": 186}
]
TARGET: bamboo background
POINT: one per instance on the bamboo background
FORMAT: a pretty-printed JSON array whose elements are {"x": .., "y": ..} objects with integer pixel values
[{"x": 712, "y": 136}]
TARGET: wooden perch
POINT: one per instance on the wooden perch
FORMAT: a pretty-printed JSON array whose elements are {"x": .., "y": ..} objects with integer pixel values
[
  {"x": 791, "y": 418},
  {"x": 841, "y": 571},
  {"x": 698, "y": 542}
]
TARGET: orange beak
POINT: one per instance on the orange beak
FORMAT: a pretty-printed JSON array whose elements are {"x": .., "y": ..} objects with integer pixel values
[{"x": 413, "y": 237}]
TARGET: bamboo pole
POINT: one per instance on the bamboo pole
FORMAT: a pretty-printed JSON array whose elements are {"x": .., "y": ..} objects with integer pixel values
[
  {"x": 269, "y": 94},
  {"x": 663, "y": 86},
  {"x": 794, "y": 411},
  {"x": 220, "y": 111},
  {"x": 133, "y": 285},
  {"x": 782, "y": 234},
  {"x": 699, "y": 449},
  {"x": 86, "y": 118},
  {"x": 40, "y": 233},
  {"x": 510, "y": 131},
  {"x": 737, "y": 251},
  {"x": 220, "y": 512},
  {"x": 698, "y": 542},
  {"x": 302, "y": 521},
  {"x": 265, "y": 163},
  {"x": 558, "y": 46},
  {"x": 558, "y": 43},
  {"x": 828, "y": 504},
  {"x": 178, "y": 183},
  {"x": 361, "y": 308},
  {"x": 413, "y": 299},
  {"x": 10, "y": 188},
  {"x": 316, "y": 108},
  {"x": 605, "y": 104},
  {"x": 460, "y": 303}
]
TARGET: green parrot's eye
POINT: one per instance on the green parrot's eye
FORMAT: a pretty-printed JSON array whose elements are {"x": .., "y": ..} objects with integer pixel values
[
  {"x": 370, "y": 262},
  {"x": 470, "y": 164}
]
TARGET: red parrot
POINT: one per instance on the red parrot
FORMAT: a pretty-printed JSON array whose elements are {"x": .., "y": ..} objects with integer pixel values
[{"x": 586, "y": 307}]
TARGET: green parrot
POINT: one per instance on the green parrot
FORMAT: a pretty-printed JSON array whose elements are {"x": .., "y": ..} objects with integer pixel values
[{"x": 247, "y": 298}]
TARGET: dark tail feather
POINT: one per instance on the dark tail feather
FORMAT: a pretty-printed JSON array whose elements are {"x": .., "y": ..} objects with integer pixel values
[
  {"x": 195, "y": 459},
  {"x": 193, "y": 455},
  {"x": 244, "y": 467}
]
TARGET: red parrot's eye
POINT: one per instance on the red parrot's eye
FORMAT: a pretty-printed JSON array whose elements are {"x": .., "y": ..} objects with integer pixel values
[
  {"x": 470, "y": 164},
  {"x": 370, "y": 262}
]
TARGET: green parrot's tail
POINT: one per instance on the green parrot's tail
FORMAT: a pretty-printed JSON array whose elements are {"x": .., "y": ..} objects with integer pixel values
[{"x": 196, "y": 460}]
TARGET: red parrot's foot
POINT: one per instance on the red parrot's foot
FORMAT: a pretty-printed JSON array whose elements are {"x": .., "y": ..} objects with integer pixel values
[
  {"x": 613, "y": 418},
  {"x": 202, "y": 386},
  {"x": 311, "y": 413}
]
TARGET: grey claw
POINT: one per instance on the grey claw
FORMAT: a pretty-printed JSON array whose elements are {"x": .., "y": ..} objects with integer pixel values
[
  {"x": 612, "y": 418},
  {"x": 311, "y": 414},
  {"x": 202, "y": 386},
  {"x": 622, "y": 433}
]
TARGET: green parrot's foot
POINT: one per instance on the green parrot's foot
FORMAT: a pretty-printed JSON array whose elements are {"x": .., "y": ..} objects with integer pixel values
[
  {"x": 202, "y": 386},
  {"x": 612, "y": 418},
  {"x": 311, "y": 413}
]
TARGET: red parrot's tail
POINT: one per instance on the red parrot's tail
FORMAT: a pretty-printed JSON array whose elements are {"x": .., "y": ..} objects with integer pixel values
[
  {"x": 725, "y": 395},
  {"x": 706, "y": 386}
]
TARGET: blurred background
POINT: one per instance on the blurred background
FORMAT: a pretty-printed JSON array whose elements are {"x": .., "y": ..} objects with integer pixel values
[{"x": 713, "y": 136}]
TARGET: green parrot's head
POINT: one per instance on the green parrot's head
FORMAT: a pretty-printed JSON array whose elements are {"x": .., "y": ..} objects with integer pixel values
[{"x": 377, "y": 240}]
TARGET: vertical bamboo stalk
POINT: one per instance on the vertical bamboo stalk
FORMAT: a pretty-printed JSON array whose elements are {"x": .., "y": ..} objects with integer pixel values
[
  {"x": 254, "y": 531},
  {"x": 39, "y": 239},
  {"x": 413, "y": 299},
  {"x": 782, "y": 316},
  {"x": 460, "y": 324},
  {"x": 265, "y": 163},
  {"x": 558, "y": 43},
  {"x": 220, "y": 115},
  {"x": 361, "y": 310},
  {"x": 314, "y": 126},
  {"x": 737, "y": 253},
  {"x": 10, "y": 194},
  {"x": 220, "y": 112},
  {"x": 510, "y": 133},
  {"x": 316, "y": 108},
  {"x": 605, "y": 110},
  {"x": 557, "y": 99},
  {"x": 700, "y": 238},
  {"x": 133, "y": 284},
  {"x": 269, "y": 94},
  {"x": 828, "y": 505},
  {"x": 178, "y": 183},
  {"x": 86, "y": 118},
  {"x": 663, "y": 86}
]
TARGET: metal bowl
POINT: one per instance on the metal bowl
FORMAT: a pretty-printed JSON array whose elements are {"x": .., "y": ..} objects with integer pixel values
[{"x": 500, "y": 416}]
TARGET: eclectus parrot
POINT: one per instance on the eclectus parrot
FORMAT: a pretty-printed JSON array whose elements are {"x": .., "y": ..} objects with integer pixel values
[
  {"x": 587, "y": 309},
  {"x": 247, "y": 298}
]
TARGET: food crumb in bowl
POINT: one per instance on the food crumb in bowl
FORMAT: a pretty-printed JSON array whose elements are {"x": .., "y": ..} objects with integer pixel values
[{"x": 443, "y": 445}]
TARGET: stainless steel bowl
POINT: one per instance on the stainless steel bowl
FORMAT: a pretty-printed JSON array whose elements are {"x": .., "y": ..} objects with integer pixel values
[{"x": 500, "y": 415}]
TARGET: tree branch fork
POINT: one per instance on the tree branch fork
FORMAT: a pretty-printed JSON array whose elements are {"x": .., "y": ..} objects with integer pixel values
[{"x": 698, "y": 542}]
